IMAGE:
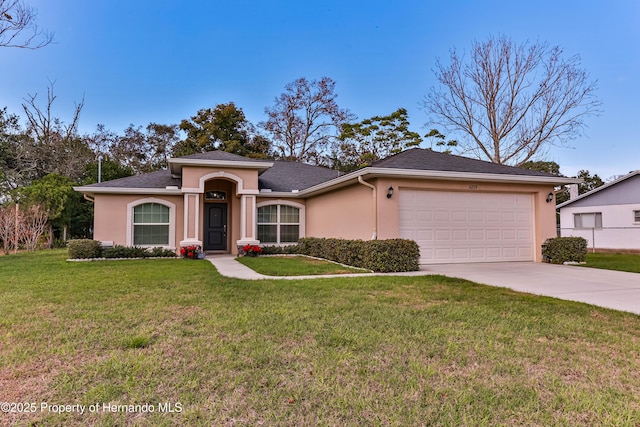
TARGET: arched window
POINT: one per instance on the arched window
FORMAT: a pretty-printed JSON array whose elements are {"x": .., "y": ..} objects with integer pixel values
[
  {"x": 151, "y": 225},
  {"x": 279, "y": 224}
]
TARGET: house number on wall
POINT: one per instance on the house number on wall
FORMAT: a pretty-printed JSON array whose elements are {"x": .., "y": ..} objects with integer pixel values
[{"x": 473, "y": 187}]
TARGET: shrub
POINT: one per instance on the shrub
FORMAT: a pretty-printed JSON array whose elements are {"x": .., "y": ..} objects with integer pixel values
[
  {"x": 84, "y": 249},
  {"x": 59, "y": 243},
  {"x": 393, "y": 255},
  {"x": 161, "y": 253},
  {"x": 119, "y": 251},
  {"x": 280, "y": 250},
  {"x": 564, "y": 249}
]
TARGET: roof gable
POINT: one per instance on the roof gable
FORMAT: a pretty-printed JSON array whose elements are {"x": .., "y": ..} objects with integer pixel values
[
  {"x": 220, "y": 155},
  {"x": 217, "y": 159},
  {"x": 622, "y": 191}
]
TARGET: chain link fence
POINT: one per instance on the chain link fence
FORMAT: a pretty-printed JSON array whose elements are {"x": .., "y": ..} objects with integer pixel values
[{"x": 623, "y": 238}]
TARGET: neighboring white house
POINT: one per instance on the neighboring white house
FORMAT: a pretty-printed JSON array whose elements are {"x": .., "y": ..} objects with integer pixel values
[{"x": 608, "y": 216}]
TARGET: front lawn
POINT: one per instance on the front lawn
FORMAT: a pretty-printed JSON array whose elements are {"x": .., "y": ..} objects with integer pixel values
[
  {"x": 621, "y": 262},
  {"x": 426, "y": 350},
  {"x": 295, "y": 266}
]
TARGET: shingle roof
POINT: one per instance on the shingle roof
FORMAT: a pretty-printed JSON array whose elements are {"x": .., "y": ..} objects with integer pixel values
[
  {"x": 424, "y": 159},
  {"x": 159, "y": 179},
  {"x": 603, "y": 188},
  {"x": 220, "y": 155},
  {"x": 288, "y": 176}
]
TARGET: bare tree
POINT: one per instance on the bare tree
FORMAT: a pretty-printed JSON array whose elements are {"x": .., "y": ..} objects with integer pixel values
[
  {"x": 7, "y": 227},
  {"x": 305, "y": 119},
  {"x": 33, "y": 223},
  {"x": 55, "y": 146},
  {"x": 18, "y": 26},
  {"x": 512, "y": 100}
]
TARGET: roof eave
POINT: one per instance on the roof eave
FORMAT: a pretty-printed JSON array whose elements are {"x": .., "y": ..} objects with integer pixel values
[
  {"x": 176, "y": 165},
  {"x": 280, "y": 194},
  {"x": 440, "y": 175},
  {"x": 127, "y": 190}
]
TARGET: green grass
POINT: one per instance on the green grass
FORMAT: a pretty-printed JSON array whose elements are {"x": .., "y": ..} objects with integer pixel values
[
  {"x": 371, "y": 350},
  {"x": 621, "y": 262},
  {"x": 295, "y": 266}
]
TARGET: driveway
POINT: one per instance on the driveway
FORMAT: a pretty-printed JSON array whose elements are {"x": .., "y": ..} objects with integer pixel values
[{"x": 605, "y": 288}]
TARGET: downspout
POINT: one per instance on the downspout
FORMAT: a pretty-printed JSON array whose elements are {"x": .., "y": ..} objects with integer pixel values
[
  {"x": 374, "y": 236},
  {"x": 89, "y": 198}
]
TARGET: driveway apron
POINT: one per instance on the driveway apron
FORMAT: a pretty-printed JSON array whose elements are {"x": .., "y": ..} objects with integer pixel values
[{"x": 605, "y": 288}]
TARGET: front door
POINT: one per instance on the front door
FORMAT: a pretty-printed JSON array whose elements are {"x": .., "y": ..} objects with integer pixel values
[{"x": 215, "y": 227}]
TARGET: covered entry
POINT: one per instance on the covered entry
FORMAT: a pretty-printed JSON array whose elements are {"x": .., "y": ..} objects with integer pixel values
[{"x": 457, "y": 227}]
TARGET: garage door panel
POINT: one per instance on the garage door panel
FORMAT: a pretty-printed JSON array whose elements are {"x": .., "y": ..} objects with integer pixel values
[
  {"x": 492, "y": 217},
  {"x": 424, "y": 216},
  {"x": 509, "y": 235},
  {"x": 476, "y": 235},
  {"x": 443, "y": 235},
  {"x": 477, "y": 252},
  {"x": 493, "y": 254},
  {"x": 493, "y": 234},
  {"x": 468, "y": 226},
  {"x": 459, "y": 216},
  {"x": 461, "y": 235},
  {"x": 442, "y": 254}
]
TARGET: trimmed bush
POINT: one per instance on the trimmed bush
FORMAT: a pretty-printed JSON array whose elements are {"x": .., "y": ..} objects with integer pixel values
[
  {"x": 88, "y": 249},
  {"x": 161, "y": 253},
  {"x": 84, "y": 249},
  {"x": 393, "y": 255},
  {"x": 119, "y": 251},
  {"x": 564, "y": 249},
  {"x": 280, "y": 250}
]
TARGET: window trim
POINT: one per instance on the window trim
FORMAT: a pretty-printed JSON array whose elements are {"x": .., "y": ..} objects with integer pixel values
[
  {"x": 596, "y": 215},
  {"x": 172, "y": 221},
  {"x": 636, "y": 216},
  {"x": 301, "y": 219}
]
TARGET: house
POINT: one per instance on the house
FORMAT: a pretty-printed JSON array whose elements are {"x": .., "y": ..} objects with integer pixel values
[
  {"x": 457, "y": 209},
  {"x": 607, "y": 216}
]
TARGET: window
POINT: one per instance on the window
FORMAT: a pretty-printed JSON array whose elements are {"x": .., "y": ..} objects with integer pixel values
[
  {"x": 587, "y": 220},
  {"x": 636, "y": 216},
  {"x": 278, "y": 224},
  {"x": 215, "y": 195},
  {"x": 151, "y": 225}
]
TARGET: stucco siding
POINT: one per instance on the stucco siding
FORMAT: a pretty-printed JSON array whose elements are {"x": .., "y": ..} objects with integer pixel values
[
  {"x": 345, "y": 213},
  {"x": 110, "y": 218},
  {"x": 193, "y": 177}
]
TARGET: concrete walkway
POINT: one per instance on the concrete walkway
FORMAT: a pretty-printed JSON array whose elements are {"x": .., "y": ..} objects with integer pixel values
[
  {"x": 605, "y": 288},
  {"x": 229, "y": 267}
]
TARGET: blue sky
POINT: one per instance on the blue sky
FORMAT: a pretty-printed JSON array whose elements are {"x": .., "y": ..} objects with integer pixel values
[{"x": 140, "y": 61}]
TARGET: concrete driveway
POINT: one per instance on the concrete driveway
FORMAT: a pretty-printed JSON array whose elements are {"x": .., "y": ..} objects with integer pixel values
[{"x": 604, "y": 288}]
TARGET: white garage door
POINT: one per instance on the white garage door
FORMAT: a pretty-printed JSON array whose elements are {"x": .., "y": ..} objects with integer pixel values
[{"x": 456, "y": 227}]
